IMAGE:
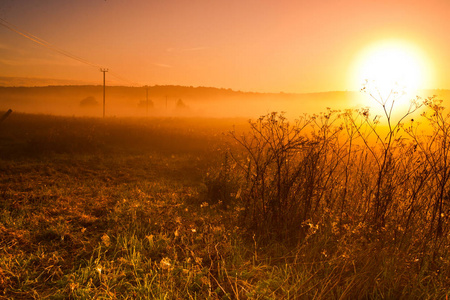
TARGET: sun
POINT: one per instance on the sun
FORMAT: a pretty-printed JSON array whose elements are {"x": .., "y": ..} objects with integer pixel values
[{"x": 392, "y": 66}]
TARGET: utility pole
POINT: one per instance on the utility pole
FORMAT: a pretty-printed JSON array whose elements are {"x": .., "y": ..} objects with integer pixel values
[
  {"x": 104, "y": 72},
  {"x": 146, "y": 96}
]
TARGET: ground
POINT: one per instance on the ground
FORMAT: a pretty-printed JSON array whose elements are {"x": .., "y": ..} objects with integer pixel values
[{"x": 126, "y": 209}]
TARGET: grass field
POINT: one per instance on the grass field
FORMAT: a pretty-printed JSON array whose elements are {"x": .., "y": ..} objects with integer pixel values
[{"x": 141, "y": 209}]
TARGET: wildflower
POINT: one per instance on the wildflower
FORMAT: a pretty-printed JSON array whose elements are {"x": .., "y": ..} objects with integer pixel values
[
  {"x": 106, "y": 240},
  {"x": 165, "y": 263}
]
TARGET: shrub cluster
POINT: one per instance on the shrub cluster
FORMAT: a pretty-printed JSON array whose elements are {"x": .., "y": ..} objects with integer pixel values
[{"x": 348, "y": 171}]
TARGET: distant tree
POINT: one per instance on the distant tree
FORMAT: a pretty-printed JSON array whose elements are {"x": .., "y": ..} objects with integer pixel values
[
  {"x": 88, "y": 102},
  {"x": 180, "y": 105}
]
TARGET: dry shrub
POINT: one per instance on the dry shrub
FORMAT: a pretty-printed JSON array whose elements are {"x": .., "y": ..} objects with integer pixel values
[{"x": 344, "y": 170}]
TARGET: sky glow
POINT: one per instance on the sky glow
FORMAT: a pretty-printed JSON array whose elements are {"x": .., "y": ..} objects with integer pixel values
[{"x": 262, "y": 46}]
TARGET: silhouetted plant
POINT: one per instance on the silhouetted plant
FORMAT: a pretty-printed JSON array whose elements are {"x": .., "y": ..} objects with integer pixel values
[
  {"x": 433, "y": 148},
  {"x": 288, "y": 173},
  {"x": 386, "y": 164},
  {"x": 222, "y": 186}
]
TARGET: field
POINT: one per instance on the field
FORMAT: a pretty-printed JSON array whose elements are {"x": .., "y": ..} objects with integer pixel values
[{"x": 179, "y": 208}]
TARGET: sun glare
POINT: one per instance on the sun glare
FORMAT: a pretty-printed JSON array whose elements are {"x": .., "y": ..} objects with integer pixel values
[{"x": 392, "y": 66}]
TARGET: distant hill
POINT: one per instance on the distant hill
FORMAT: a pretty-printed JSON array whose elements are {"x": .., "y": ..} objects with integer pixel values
[
  {"x": 198, "y": 101},
  {"x": 7, "y": 81}
]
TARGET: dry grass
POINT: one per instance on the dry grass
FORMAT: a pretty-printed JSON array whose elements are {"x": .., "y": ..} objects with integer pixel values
[{"x": 150, "y": 209}]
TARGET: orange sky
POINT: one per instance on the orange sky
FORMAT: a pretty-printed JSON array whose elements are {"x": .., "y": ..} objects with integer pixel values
[{"x": 257, "y": 45}]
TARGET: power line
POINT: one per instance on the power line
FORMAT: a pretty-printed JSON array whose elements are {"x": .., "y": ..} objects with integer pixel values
[
  {"x": 45, "y": 43},
  {"x": 114, "y": 74},
  {"x": 51, "y": 47}
]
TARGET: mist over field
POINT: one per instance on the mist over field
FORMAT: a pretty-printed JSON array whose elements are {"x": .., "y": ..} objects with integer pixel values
[
  {"x": 167, "y": 101},
  {"x": 175, "y": 101}
]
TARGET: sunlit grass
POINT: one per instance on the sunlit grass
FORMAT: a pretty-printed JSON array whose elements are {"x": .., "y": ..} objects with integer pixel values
[{"x": 154, "y": 210}]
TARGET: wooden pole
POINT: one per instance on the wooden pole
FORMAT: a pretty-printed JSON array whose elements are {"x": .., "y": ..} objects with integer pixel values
[
  {"x": 104, "y": 81},
  {"x": 146, "y": 97}
]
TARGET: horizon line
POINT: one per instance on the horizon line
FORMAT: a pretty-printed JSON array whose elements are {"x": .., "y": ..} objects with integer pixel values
[{"x": 188, "y": 86}]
